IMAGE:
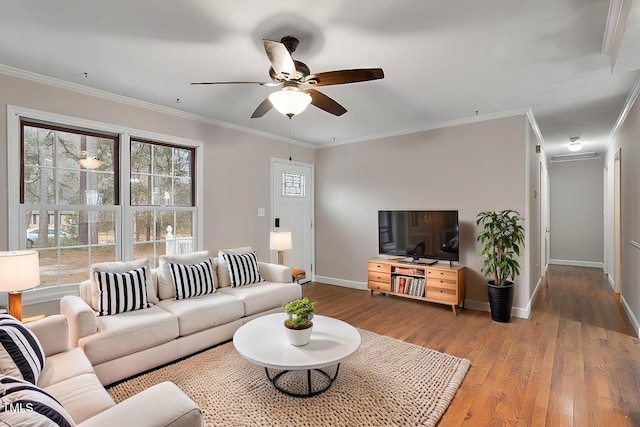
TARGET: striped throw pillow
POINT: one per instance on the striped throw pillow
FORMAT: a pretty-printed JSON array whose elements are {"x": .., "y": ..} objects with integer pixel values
[
  {"x": 121, "y": 292},
  {"x": 192, "y": 280},
  {"x": 243, "y": 269},
  {"x": 24, "y": 404},
  {"x": 21, "y": 355}
]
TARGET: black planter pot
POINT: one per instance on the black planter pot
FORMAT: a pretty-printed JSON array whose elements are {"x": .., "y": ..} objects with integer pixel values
[{"x": 500, "y": 301}]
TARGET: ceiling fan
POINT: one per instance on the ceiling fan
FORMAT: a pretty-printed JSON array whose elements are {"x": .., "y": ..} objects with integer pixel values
[{"x": 298, "y": 83}]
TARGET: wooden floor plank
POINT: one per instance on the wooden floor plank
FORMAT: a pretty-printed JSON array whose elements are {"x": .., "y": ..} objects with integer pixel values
[{"x": 576, "y": 361}]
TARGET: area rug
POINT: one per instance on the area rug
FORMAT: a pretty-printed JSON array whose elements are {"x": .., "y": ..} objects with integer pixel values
[{"x": 387, "y": 382}]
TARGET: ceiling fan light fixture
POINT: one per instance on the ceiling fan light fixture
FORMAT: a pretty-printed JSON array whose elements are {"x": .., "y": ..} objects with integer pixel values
[
  {"x": 575, "y": 144},
  {"x": 290, "y": 101},
  {"x": 90, "y": 163}
]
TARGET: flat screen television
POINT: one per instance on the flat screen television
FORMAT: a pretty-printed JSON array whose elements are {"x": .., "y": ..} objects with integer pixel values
[{"x": 419, "y": 234}]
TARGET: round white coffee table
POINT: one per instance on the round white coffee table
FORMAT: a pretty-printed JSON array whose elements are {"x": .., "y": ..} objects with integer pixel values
[{"x": 263, "y": 341}]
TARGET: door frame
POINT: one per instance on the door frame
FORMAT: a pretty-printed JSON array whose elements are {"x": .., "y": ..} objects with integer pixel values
[
  {"x": 312, "y": 192},
  {"x": 617, "y": 217}
]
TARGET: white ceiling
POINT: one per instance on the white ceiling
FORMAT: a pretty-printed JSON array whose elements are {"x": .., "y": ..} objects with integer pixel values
[{"x": 444, "y": 60}]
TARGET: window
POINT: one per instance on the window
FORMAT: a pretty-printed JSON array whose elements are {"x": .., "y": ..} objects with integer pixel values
[
  {"x": 82, "y": 192},
  {"x": 58, "y": 195},
  {"x": 161, "y": 180}
]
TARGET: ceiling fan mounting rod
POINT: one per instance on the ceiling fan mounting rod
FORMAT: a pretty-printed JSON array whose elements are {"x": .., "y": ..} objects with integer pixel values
[{"x": 290, "y": 42}]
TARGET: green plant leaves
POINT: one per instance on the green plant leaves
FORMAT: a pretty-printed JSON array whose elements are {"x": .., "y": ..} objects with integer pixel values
[{"x": 501, "y": 237}]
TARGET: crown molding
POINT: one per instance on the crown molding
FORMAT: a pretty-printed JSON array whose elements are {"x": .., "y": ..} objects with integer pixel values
[
  {"x": 85, "y": 90},
  {"x": 534, "y": 125},
  {"x": 430, "y": 126},
  {"x": 628, "y": 105},
  {"x": 613, "y": 19}
]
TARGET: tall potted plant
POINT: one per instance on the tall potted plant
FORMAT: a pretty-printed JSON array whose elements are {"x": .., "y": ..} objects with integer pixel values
[{"x": 501, "y": 237}]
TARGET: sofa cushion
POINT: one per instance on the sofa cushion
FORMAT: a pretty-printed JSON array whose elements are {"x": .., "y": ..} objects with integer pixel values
[
  {"x": 224, "y": 280},
  {"x": 166, "y": 289},
  {"x": 21, "y": 355},
  {"x": 193, "y": 280},
  {"x": 121, "y": 292},
  {"x": 243, "y": 269},
  {"x": 65, "y": 365},
  {"x": 24, "y": 404},
  {"x": 120, "y": 267},
  {"x": 197, "y": 314},
  {"x": 264, "y": 296},
  {"x": 83, "y": 396},
  {"x": 128, "y": 333}
]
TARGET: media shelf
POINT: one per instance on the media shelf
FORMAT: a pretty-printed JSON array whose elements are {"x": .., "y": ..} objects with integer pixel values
[{"x": 443, "y": 284}]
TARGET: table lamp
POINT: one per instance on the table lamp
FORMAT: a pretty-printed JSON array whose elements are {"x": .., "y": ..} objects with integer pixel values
[
  {"x": 280, "y": 241},
  {"x": 19, "y": 270}
]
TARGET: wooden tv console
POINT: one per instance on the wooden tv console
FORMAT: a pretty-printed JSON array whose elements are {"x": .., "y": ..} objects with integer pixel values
[{"x": 442, "y": 284}]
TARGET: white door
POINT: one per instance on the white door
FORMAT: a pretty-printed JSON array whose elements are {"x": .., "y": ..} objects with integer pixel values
[{"x": 292, "y": 209}]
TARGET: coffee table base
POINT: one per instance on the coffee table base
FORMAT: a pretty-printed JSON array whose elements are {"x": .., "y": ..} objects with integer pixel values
[{"x": 311, "y": 391}]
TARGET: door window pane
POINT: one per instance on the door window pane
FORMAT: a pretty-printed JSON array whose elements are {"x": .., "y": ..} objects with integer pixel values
[{"x": 292, "y": 184}]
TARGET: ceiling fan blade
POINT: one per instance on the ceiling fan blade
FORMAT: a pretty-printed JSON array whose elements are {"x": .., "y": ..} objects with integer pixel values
[
  {"x": 325, "y": 103},
  {"x": 238, "y": 83},
  {"x": 262, "y": 109},
  {"x": 342, "y": 77},
  {"x": 280, "y": 58}
]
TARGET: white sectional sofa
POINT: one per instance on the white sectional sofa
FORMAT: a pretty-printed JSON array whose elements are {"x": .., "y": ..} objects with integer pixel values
[
  {"x": 124, "y": 344},
  {"x": 69, "y": 377}
]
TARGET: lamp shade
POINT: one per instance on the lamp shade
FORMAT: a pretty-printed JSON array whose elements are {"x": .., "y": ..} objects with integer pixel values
[
  {"x": 280, "y": 240},
  {"x": 290, "y": 101},
  {"x": 19, "y": 270}
]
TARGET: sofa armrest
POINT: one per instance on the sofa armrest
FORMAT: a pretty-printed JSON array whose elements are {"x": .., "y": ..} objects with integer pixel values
[
  {"x": 52, "y": 333},
  {"x": 275, "y": 272},
  {"x": 81, "y": 317},
  {"x": 163, "y": 404}
]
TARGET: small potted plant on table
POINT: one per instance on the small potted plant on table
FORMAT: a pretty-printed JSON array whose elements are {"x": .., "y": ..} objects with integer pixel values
[
  {"x": 298, "y": 325},
  {"x": 501, "y": 236}
]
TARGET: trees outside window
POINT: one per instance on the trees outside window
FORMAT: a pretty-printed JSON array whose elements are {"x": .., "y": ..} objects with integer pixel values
[{"x": 71, "y": 206}]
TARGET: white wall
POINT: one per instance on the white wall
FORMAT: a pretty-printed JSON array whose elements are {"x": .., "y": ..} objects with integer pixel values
[
  {"x": 577, "y": 215},
  {"x": 471, "y": 168}
]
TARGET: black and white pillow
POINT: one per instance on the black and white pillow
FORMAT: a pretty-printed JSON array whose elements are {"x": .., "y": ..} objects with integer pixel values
[
  {"x": 243, "y": 269},
  {"x": 21, "y": 355},
  {"x": 192, "y": 280},
  {"x": 25, "y": 404},
  {"x": 120, "y": 292}
]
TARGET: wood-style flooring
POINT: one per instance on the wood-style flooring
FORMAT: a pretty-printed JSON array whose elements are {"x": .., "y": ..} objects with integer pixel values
[{"x": 575, "y": 362}]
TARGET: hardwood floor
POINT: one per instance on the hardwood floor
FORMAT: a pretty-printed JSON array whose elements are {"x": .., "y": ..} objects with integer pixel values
[{"x": 575, "y": 362}]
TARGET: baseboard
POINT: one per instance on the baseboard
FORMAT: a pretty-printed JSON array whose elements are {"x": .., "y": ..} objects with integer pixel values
[
  {"x": 520, "y": 312},
  {"x": 611, "y": 282},
  {"x": 574, "y": 263},
  {"x": 341, "y": 282},
  {"x": 632, "y": 317}
]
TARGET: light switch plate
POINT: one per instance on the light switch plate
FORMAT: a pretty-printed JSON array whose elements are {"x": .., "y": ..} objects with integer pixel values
[{"x": 260, "y": 211}]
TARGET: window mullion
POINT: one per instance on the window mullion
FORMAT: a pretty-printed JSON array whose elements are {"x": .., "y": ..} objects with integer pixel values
[{"x": 126, "y": 212}]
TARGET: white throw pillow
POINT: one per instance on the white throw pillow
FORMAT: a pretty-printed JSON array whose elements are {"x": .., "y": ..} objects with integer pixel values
[
  {"x": 121, "y": 267},
  {"x": 121, "y": 292},
  {"x": 243, "y": 269},
  {"x": 224, "y": 280},
  {"x": 193, "y": 280},
  {"x": 166, "y": 289}
]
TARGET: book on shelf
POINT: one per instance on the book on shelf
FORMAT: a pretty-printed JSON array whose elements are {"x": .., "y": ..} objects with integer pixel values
[{"x": 408, "y": 285}]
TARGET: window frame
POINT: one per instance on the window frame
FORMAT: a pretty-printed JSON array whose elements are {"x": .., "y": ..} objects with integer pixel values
[{"x": 16, "y": 236}]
